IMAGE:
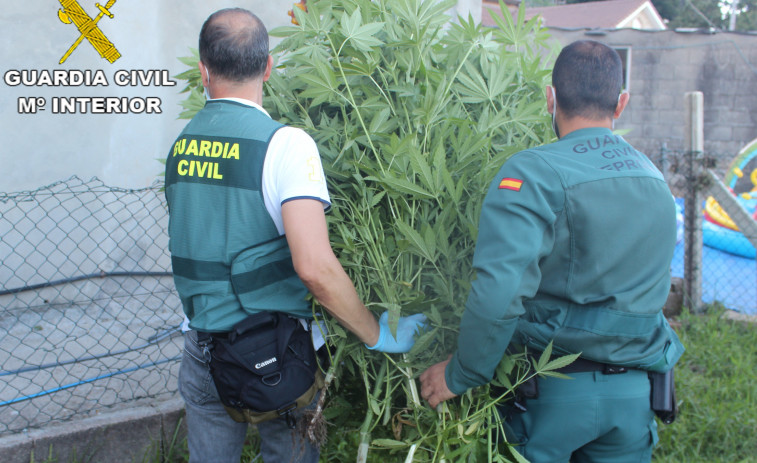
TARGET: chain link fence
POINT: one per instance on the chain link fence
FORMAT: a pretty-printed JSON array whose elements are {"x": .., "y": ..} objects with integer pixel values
[
  {"x": 721, "y": 266},
  {"x": 88, "y": 310},
  {"x": 91, "y": 319}
]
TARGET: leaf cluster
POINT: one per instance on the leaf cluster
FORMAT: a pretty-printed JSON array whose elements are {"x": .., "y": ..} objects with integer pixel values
[
  {"x": 413, "y": 115},
  {"x": 196, "y": 98}
]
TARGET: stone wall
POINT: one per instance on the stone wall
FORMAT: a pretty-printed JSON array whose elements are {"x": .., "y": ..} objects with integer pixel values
[{"x": 667, "y": 64}]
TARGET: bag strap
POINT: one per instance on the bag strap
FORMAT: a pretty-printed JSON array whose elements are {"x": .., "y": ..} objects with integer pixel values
[
  {"x": 285, "y": 328},
  {"x": 254, "y": 322}
]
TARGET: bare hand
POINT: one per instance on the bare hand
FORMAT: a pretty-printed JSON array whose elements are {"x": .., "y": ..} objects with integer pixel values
[{"x": 433, "y": 384}]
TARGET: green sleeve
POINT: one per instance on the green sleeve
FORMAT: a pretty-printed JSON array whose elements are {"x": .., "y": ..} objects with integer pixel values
[{"x": 516, "y": 229}]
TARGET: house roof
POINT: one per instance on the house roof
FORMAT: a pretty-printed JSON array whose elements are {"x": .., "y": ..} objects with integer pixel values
[{"x": 608, "y": 14}]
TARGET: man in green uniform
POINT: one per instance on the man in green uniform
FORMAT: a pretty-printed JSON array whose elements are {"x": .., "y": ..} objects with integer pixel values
[
  {"x": 246, "y": 197},
  {"x": 575, "y": 244}
]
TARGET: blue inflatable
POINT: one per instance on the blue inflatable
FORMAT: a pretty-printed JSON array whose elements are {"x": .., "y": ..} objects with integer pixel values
[
  {"x": 728, "y": 278},
  {"x": 725, "y": 239}
]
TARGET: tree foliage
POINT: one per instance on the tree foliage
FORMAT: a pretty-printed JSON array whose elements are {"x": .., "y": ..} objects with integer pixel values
[
  {"x": 701, "y": 14},
  {"x": 707, "y": 13}
]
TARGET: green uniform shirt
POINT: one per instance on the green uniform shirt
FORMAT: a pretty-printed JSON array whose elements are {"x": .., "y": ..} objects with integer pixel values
[{"x": 575, "y": 243}]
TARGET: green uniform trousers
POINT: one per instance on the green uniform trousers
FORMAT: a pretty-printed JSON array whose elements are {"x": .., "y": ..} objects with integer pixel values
[{"x": 592, "y": 417}]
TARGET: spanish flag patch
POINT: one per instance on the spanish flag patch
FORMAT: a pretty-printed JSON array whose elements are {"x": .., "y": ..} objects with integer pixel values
[{"x": 510, "y": 184}]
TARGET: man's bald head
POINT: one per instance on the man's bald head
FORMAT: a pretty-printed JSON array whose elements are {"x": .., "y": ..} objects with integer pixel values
[{"x": 234, "y": 45}]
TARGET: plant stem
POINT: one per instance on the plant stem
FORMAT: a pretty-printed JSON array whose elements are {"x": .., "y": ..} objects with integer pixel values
[
  {"x": 365, "y": 432},
  {"x": 411, "y": 454},
  {"x": 330, "y": 375}
]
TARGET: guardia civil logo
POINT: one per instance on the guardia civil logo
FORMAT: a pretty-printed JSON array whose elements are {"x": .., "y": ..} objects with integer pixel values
[{"x": 72, "y": 12}]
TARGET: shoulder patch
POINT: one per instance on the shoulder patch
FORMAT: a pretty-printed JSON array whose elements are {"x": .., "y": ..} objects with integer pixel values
[{"x": 510, "y": 184}]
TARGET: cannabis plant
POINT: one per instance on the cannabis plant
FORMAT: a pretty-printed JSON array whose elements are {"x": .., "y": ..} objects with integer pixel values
[{"x": 413, "y": 114}]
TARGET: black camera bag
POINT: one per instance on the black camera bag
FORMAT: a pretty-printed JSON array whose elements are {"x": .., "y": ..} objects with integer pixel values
[{"x": 263, "y": 366}]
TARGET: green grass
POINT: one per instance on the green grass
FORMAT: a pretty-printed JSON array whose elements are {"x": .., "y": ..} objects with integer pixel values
[
  {"x": 716, "y": 382},
  {"x": 716, "y": 385}
]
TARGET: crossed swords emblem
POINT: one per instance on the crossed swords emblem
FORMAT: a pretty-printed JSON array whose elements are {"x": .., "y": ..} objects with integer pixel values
[{"x": 87, "y": 26}]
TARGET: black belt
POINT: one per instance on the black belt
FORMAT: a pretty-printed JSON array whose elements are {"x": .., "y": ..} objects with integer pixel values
[
  {"x": 585, "y": 365},
  {"x": 203, "y": 336},
  {"x": 582, "y": 365}
]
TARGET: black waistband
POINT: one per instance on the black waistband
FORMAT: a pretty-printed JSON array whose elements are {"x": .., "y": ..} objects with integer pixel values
[
  {"x": 582, "y": 365},
  {"x": 585, "y": 365},
  {"x": 203, "y": 336}
]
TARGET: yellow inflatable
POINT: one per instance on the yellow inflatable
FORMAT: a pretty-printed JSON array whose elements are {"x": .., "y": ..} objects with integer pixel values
[{"x": 715, "y": 213}]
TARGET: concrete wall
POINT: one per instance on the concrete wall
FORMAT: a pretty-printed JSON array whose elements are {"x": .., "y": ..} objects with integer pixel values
[
  {"x": 667, "y": 64},
  {"x": 121, "y": 149},
  {"x": 124, "y": 436}
]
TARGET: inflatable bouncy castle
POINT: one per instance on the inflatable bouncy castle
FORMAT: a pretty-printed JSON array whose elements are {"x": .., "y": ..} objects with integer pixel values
[{"x": 719, "y": 231}]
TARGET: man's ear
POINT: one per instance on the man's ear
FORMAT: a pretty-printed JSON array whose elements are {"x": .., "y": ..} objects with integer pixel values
[
  {"x": 203, "y": 74},
  {"x": 268, "y": 68},
  {"x": 550, "y": 99},
  {"x": 622, "y": 102}
]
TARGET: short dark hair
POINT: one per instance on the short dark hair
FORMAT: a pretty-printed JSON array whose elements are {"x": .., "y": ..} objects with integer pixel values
[
  {"x": 588, "y": 77},
  {"x": 234, "y": 44}
]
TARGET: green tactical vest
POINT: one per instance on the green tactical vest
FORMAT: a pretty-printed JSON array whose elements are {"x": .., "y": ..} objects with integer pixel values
[{"x": 229, "y": 260}]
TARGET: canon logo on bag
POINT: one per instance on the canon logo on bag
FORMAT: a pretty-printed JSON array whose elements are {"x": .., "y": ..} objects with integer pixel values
[{"x": 260, "y": 365}]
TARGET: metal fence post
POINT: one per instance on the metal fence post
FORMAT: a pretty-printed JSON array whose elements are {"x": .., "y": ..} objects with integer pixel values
[
  {"x": 664, "y": 162},
  {"x": 693, "y": 145}
]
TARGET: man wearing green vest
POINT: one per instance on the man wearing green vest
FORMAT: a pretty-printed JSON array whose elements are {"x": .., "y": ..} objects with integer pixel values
[
  {"x": 248, "y": 233},
  {"x": 574, "y": 247}
]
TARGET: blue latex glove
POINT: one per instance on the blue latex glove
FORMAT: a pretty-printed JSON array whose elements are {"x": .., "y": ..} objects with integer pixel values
[{"x": 406, "y": 329}]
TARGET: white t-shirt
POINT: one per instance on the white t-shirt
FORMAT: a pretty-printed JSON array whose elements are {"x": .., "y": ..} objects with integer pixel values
[{"x": 292, "y": 170}]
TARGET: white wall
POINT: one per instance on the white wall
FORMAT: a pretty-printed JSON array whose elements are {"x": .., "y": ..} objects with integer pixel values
[
  {"x": 122, "y": 150},
  {"x": 465, "y": 8}
]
